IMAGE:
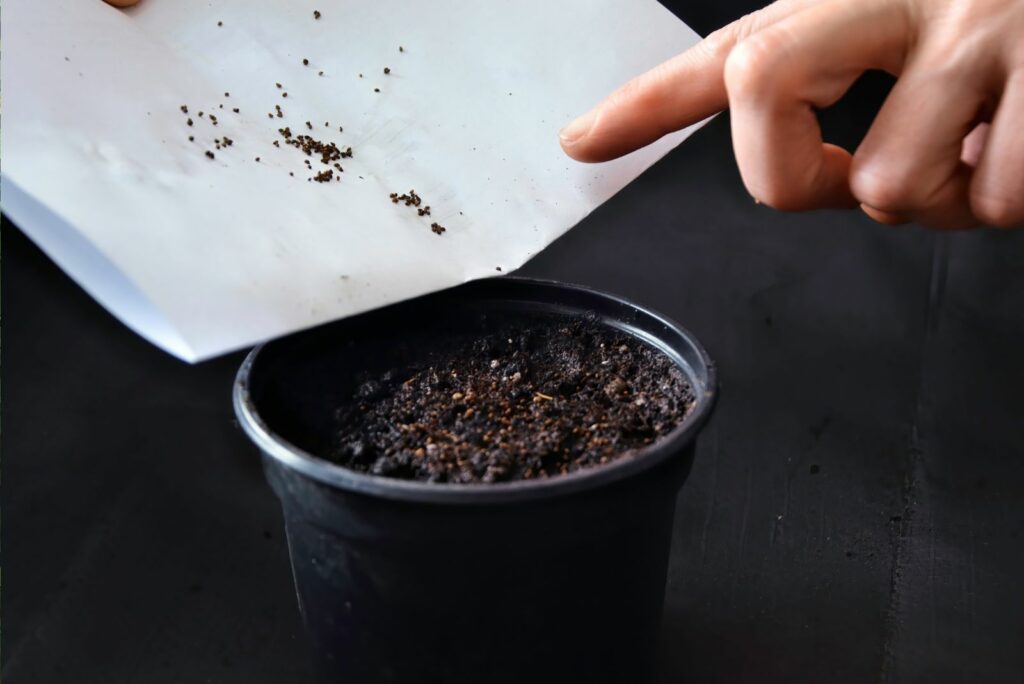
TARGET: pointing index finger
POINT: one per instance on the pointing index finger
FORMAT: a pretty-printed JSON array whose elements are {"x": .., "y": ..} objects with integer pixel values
[{"x": 675, "y": 94}]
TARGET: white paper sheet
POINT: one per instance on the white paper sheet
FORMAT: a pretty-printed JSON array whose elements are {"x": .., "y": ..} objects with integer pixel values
[{"x": 206, "y": 256}]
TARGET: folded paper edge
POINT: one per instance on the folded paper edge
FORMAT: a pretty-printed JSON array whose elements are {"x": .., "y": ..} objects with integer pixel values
[{"x": 94, "y": 272}]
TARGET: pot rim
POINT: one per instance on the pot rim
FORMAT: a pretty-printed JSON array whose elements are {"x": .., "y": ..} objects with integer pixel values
[{"x": 292, "y": 457}]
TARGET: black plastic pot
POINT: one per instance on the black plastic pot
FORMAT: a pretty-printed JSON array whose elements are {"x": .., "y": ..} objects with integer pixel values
[{"x": 556, "y": 580}]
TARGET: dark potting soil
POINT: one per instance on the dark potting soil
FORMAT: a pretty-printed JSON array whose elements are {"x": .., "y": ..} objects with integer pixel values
[{"x": 518, "y": 404}]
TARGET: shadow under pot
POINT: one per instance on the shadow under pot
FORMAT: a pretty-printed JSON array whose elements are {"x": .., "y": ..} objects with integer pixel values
[{"x": 451, "y": 521}]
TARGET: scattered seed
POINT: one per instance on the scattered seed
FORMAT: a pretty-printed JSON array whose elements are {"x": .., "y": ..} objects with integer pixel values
[
  {"x": 387, "y": 71},
  {"x": 200, "y": 113},
  {"x": 234, "y": 109},
  {"x": 316, "y": 14},
  {"x": 320, "y": 73},
  {"x": 220, "y": 23},
  {"x": 437, "y": 228},
  {"x": 411, "y": 199},
  {"x": 189, "y": 122},
  {"x": 309, "y": 125},
  {"x": 401, "y": 49},
  {"x": 184, "y": 109},
  {"x": 209, "y": 154},
  {"x": 284, "y": 94},
  {"x": 376, "y": 90},
  {"x": 278, "y": 85},
  {"x": 227, "y": 94},
  {"x": 257, "y": 159},
  {"x": 305, "y": 62},
  {"x": 191, "y": 138}
]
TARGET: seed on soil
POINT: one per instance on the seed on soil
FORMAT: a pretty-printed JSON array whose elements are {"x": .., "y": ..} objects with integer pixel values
[{"x": 413, "y": 422}]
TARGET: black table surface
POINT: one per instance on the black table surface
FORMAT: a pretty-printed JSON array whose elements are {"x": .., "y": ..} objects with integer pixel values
[{"x": 854, "y": 513}]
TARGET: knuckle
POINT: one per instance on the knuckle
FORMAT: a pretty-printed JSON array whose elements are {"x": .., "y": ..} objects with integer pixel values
[
  {"x": 997, "y": 210},
  {"x": 722, "y": 40},
  {"x": 881, "y": 189},
  {"x": 642, "y": 92},
  {"x": 753, "y": 65}
]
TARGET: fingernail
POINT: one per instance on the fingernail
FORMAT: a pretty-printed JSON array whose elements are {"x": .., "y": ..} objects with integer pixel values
[{"x": 578, "y": 128}]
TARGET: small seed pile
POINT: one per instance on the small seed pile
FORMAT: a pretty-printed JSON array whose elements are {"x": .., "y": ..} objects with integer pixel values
[
  {"x": 411, "y": 199},
  {"x": 330, "y": 154}
]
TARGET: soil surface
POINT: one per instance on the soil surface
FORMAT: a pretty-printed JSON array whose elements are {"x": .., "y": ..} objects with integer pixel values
[{"x": 519, "y": 404}]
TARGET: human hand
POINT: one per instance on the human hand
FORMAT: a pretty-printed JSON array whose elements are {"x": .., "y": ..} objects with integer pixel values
[{"x": 930, "y": 155}]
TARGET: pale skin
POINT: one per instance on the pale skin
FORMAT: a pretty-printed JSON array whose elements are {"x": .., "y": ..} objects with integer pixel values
[{"x": 945, "y": 150}]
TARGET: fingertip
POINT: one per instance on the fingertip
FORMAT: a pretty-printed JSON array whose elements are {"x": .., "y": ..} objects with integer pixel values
[{"x": 574, "y": 138}]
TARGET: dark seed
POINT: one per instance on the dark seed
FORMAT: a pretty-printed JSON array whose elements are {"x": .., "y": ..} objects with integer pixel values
[
  {"x": 305, "y": 62},
  {"x": 387, "y": 71},
  {"x": 209, "y": 154},
  {"x": 316, "y": 14}
]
